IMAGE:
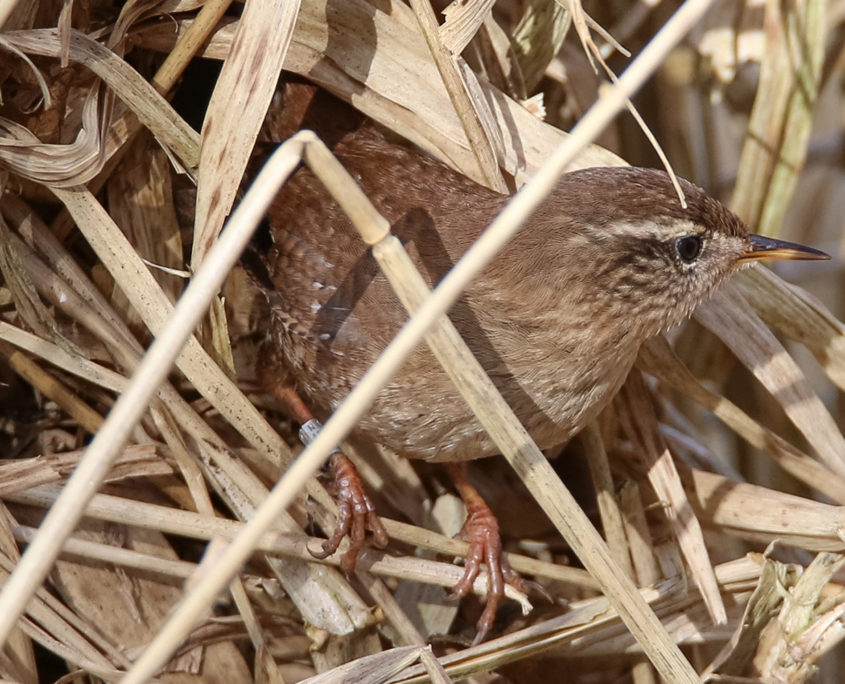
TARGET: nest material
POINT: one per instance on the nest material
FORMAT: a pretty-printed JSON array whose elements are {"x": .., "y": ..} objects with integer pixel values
[{"x": 105, "y": 152}]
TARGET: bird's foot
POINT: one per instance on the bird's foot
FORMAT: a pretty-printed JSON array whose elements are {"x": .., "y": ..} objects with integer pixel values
[
  {"x": 355, "y": 514},
  {"x": 481, "y": 532}
]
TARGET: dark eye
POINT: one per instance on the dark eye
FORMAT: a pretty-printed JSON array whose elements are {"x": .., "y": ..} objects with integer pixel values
[{"x": 688, "y": 248}]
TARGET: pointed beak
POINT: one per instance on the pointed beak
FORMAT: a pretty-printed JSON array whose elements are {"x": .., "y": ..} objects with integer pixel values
[{"x": 769, "y": 248}]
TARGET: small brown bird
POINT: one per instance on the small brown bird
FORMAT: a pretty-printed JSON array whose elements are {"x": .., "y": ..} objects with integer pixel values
[{"x": 608, "y": 260}]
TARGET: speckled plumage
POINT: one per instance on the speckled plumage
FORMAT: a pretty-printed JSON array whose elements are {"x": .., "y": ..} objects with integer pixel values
[{"x": 556, "y": 320}]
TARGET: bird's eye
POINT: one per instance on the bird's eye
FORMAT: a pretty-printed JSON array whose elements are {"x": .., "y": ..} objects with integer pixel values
[{"x": 688, "y": 248}]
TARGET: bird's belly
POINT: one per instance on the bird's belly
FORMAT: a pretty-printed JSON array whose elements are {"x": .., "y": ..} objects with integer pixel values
[
  {"x": 555, "y": 382},
  {"x": 425, "y": 417}
]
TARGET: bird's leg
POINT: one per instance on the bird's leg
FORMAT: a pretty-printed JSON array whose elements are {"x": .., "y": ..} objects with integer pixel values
[
  {"x": 355, "y": 511},
  {"x": 481, "y": 532}
]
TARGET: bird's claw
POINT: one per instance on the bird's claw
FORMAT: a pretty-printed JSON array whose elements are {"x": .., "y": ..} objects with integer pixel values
[
  {"x": 355, "y": 514},
  {"x": 481, "y": 532}
]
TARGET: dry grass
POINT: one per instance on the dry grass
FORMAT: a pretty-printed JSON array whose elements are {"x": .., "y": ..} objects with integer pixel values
[{"x": 746, "y": 510}]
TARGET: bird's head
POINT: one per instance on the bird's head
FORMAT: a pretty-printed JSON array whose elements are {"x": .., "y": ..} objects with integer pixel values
[{"x": 647, "y": 259}]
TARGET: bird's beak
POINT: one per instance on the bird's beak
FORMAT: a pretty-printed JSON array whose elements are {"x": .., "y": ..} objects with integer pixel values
[{"x": 769, "y": 248}]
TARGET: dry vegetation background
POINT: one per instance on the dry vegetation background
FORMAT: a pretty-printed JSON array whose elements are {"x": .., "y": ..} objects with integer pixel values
[{"x": 116, "y": 179}]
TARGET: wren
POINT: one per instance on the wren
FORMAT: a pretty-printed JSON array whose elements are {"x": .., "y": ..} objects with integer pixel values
[{"x": 607, "y": 261}]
